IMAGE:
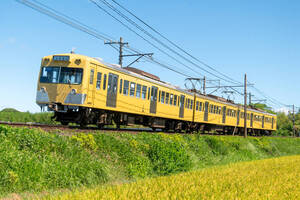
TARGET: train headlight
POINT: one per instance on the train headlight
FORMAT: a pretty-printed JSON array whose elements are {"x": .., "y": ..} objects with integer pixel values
[
  {"x": 73, "y": 91},
  {"x": 43, "y": 90}
]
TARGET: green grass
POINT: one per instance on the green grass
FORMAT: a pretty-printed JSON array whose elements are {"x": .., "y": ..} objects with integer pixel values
[
  {"x": 12, "y": 115},
  {"x": 32, "y": 160}
]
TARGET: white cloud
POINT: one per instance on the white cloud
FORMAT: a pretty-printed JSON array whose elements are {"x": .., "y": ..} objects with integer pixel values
[{"x": 283, "y": 109}]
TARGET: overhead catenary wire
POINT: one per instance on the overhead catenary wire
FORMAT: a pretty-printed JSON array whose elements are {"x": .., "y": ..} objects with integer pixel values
[
  {"x": 81, "y": 27},
  {"x": 152, "y": 37},
  {"x": 164, "y": 52},
  {"x": 174, "y": 44},
  {"x": 101, "y": 36}
]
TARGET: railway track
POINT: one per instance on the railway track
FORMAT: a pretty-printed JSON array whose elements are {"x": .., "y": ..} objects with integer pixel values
[
  {"x": 48, "y": 127},
  {"x": 69, "y": 130}
]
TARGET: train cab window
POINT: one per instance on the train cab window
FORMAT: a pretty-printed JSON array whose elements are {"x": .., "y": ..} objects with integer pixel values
[
  {"x": 148, "y": 93},
  {"x": 138, "y": 90},
  {"x": 70, "y": 75},
  {"x": 98, "y": 83},
  {"x": 167, "y": 98},
  {"x": 132, "y": 89},
  {"x": 162, "y": 97},
  {"x": 175, "y": 100},
  {"x": 144, "y": 91},
  {"x": 104, "y": 81},
  {"x": 171, "y": 99},
  {"x": 121, "y": 82},
  {"x": 49, "y": 75},
  {"x": 126, "y": 87},
  {"x": 92, "y": 76}
]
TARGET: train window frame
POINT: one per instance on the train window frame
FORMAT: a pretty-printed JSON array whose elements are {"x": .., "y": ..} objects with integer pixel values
[
  {"x": 171, "y": 99},
  {"x": 167, "y": 97},
  {"x": 138, "y": 92},
  {"x": 126, "y": 87},
  {"x": 159, "y": 94},
  {"x": 163, "y": 96},
  {"x": 92, "y": 76},
  {"x": 175, "y": 100},
  {"x": 132, "y": 87},
  {"x": 144, "y": 92},
  {"x": 98, "y": 81},
  {"x": 121, "y": 86},
  {"x": 104, "y": 81}
]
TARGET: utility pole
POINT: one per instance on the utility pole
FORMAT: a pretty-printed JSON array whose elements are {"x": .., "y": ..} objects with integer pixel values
[
  {"x": 294, "y": 131},
  {"x": 245, "y": 107},
  {"x": 121, "y": 43},
  {"x": 204, "y": 85},
  {"x": 121, "y": 56}
]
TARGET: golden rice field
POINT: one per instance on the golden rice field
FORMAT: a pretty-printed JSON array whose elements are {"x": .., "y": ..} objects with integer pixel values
[{"x": 277, "y": 178}]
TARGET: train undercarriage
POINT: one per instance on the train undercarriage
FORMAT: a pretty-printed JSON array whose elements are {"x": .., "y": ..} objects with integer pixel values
[{"x": 90, "y": 116}]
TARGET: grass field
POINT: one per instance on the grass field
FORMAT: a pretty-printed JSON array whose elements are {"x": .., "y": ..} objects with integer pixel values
[
  {"x": 276, "y": 178},
  {"x": 33, "y": 161}
]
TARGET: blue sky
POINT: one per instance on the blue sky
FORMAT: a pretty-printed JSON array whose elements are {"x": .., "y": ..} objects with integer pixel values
[{"x": 260, "y": 38}]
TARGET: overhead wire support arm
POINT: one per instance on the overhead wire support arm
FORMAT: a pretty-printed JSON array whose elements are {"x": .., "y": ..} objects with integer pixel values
[{"x": 140, "y": 56}]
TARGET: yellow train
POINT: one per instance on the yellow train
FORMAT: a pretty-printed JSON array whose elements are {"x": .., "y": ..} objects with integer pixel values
[{"x": 85, "y": 90}]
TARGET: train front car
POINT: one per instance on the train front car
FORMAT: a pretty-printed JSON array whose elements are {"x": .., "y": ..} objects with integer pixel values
[{"x": 60, "y": 86}]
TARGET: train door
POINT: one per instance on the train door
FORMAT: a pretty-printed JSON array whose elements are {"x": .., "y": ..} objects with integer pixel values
[
  {"x": 251, "y": 120},
  {"x": 206, "y": 111},
  {"x": 263, "y": 122},
  {"x": 153, "y": 99},
  {"x": 112, "y": 90},
  {"x": 181, "y": 106},
  {"x": 224, "y": 115},
  {"x": 91, "y": 88},
  {"x": 238, "y": 117}
]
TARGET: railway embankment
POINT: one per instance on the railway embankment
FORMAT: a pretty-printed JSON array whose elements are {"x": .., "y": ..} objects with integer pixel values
[{"x": 34, "y": 161}]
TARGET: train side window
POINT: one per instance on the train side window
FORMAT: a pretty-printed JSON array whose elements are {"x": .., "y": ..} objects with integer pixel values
[
  {"x": 159, "y": 96},
  {"x": 163, "y": 97},
  {"x": 167, "y": 98},
  {"x": 200, "y": 106},
  {"x": 171, "y": 99},
  {"x": 138, "y": 90},
  {"x": 148, "y": 93},
  {"x": 104, "y": 81},
  {"x": 92, "y": 76},
  {"x": 220, "y": 110},
  {"x": 188, "y": 103},
  {"x": 192, "y": 103},
  {"x": 197, "y": 105},
  {"x": 175, "y": 100},
  {"x": 98, "y": 83},
  {"x": 121, "y": 82},
  {"x": 144, "y": 91},
  {"x": 126, "y": 87},
  {"x": 132, "y": 89}
]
